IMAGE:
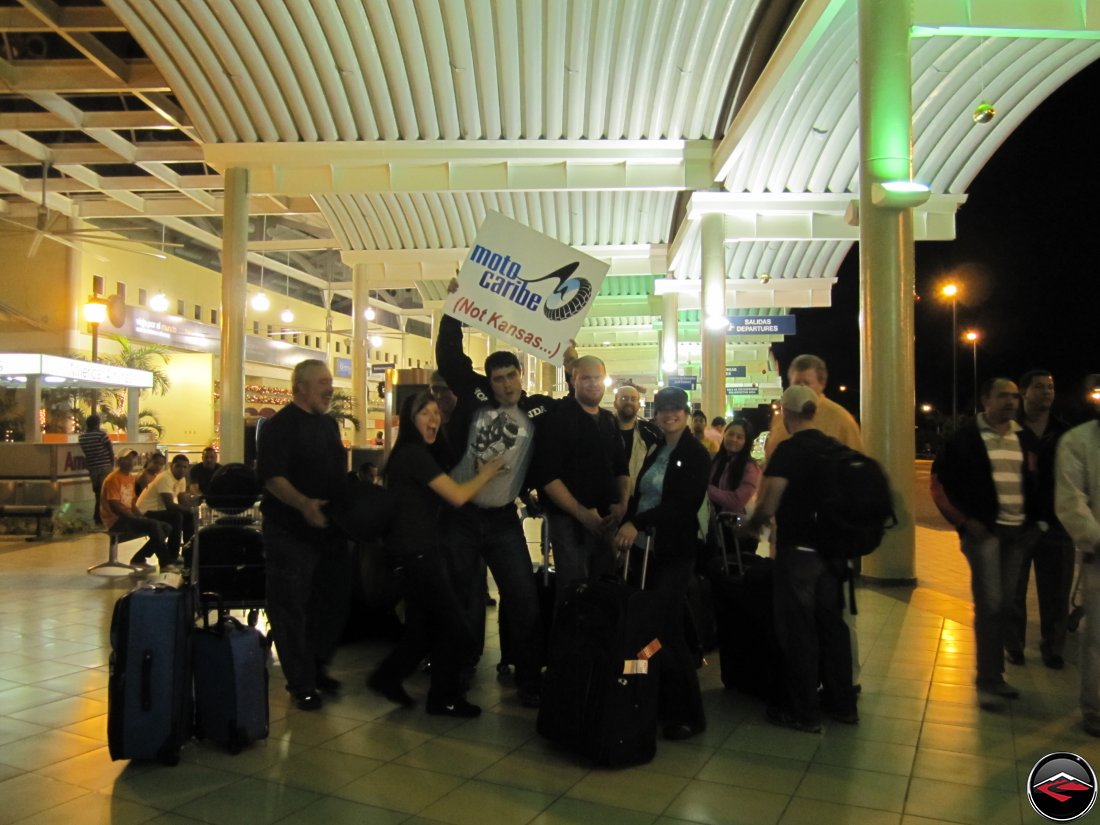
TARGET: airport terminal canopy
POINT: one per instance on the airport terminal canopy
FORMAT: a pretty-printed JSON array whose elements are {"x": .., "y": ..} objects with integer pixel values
[
  {"x": 17, "y": 368},
  {"x": 378, "y": 134}
]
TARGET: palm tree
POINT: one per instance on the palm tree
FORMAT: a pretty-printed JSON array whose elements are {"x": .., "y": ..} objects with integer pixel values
[
  {"x": 341, "y": 409},
  {"x": 150, "y": 357}
]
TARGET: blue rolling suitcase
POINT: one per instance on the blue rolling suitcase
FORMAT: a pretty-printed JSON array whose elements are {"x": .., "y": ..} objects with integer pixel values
[
  {"x": 149, "y": 691},
  {"x": 230, "y": 665}
]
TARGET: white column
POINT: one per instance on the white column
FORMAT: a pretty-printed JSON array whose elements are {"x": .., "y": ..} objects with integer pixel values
[
  {"x": 670, "y": 334},
  {"x": 360, "y": 343},
  {"x": 886, "y": 264},
  {"x": 713, "y": 313},
  {"x": 234, "y": 298}
]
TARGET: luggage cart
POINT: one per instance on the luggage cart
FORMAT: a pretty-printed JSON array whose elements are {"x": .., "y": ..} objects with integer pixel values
[{"x": 227, "y": 551}]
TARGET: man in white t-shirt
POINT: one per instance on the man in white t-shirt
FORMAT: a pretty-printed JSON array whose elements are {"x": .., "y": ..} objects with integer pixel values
[{"x": 168, "y": 501}]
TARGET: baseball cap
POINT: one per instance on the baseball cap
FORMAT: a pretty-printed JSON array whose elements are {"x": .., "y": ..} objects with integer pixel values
[
  {"x": 670, "y": 397},
  {"x": 796, "y": 397},
  {"x": 438, "y": 381}
]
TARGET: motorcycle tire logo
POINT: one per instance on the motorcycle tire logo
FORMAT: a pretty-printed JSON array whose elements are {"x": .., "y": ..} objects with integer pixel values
[
  {"x": 569, "y": 297},
  {"x": 1062, "y": 787}
]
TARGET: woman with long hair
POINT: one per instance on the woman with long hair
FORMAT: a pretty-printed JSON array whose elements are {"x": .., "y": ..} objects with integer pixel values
[
  {"x": 667, "y": 497},
  {"x": 734, "y": 475},
  {"x": 435, "y": 624}
]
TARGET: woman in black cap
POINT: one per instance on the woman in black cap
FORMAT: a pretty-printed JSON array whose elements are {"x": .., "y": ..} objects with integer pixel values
[{"x": 667, "y": 498}]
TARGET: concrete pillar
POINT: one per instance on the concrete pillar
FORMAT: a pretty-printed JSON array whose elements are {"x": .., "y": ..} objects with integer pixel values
[
  {"x": 886, "y": 266},
  {"x": 133, "y": 414},
  {"x": 32, "y": 403},
  {"x": 360, "y": 345},
  {"x": 234, "y": 298},
  {"x": 670, "y": 334},
  {"x": 712, "y": 332}
]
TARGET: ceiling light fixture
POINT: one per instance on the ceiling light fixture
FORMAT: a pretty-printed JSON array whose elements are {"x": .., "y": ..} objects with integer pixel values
[
  {"x": 159, "y": 302},
  {"x": 259, "y": 301}
]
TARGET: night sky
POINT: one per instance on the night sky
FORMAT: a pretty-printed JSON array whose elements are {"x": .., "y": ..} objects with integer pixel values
[{"x": 1026, "y": 256}]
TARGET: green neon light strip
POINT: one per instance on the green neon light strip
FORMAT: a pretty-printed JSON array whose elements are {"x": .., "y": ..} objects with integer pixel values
[{"x": 977, "y": 31}]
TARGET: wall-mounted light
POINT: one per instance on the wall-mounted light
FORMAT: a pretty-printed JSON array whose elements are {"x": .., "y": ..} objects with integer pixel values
[
  {"x": 899, "y": 194},
  {"x": 159, "y": 302},
  {"x": 376, "y": 341},
  {"x": 369, "y": 313},
  {"x": 286, "y": 316},
  {"x": 260, "y": 302}
]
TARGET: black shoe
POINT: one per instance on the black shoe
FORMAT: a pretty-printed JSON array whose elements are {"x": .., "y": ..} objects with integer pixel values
[
  {"x": 326, "y": 683},
  {"x": 785, "y": 720},
  {"x": 679, "y": 730},
  {"x": 848, "y": 718},
  {"x": 1053, "y": 661},
  {"x": 458, "y": 708},
  {"x": 391, "y": 690},
  {"x": 307, "y": 700},
  {"x": 1014, "y": 657},
  {"x": 530, "y": 695}
]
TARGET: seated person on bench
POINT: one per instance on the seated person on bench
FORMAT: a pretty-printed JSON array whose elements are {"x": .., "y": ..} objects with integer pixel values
[
  {"x": 168, "y": 501},
  {"x": 121, "y": 516}
]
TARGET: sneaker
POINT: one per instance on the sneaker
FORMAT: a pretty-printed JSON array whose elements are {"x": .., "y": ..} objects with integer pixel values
[
  {"x": 1001, "y": 688},
  {"x": 785, "y": 720},
  {"x": 458, "y": 708},
  {"x": 142, "y": 565}
]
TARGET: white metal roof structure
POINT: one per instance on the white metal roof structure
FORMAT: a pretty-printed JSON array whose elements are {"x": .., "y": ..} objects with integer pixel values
[{"x": 381, "y": 131}]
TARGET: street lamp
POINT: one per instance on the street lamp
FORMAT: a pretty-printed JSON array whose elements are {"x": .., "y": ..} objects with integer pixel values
[
  {"x": 952, "y": 291},
  {"x": 95, "y": 313},
  {"x": 972, "y": 335}
]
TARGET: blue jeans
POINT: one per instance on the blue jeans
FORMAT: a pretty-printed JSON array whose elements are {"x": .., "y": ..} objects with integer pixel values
[
  {"x": 995, "y": 563},
  {"x": 812, "y": 635},
  {"x": 158, "y": 538},
  {"x": 307, "y": 599},
  {"x": 473, "y": 533},
  {"x": 1053, "y": 557},
  {"x": 577, "y": 552}
]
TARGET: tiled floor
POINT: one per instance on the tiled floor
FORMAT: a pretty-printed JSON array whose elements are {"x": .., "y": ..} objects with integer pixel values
[{"x": 923, "y": 752}]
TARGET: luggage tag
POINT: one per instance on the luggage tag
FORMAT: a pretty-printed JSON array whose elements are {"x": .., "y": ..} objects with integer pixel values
[{"x": 641, "y": 663}]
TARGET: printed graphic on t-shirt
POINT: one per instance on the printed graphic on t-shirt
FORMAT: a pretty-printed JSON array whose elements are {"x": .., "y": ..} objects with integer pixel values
[{"x": 494, "y": 435}]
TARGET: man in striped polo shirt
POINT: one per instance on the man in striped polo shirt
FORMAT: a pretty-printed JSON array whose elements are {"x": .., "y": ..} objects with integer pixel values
[
  {"x": 99, "y": 457},
  {"x": 981, "y": 483}
]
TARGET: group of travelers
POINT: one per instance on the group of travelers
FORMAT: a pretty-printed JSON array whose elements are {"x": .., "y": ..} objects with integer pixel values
[
  {"x": 1022, "y": 488},
  {"x": 608, "y": 482},
  {"x": 157, "y": 503}
]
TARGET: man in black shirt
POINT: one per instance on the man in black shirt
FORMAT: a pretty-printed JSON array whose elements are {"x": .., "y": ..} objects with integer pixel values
[
  {"x": 585, "y": 481},
  {"x": 303, "y": 465},
  {"x": 808, "y": 595},
  {"x": 200, "y": 474}
]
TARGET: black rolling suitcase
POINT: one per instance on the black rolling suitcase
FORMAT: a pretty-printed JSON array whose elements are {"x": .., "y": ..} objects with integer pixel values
[
  {"x": 149, "y": 691},
  {"x": 546, "y": 590},
  {"x": 600, "y": 691},
  {"x": 230, "y": 665},
  {"x": 743, "y": 606}
]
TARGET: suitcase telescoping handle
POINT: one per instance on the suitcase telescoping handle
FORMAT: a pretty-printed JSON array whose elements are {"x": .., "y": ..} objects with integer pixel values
[
  {"x": 545, "y": 551},
  {"x": 734, "y": 522},
  {"x": 204, "y": 599},
  {"x": 647, "y": 548}
]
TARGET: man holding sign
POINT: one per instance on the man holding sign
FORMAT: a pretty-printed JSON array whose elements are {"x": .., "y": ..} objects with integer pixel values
[{"x": 499, "y": 419}]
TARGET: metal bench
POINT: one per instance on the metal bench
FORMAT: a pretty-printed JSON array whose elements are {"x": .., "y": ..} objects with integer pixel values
[
  {"x": 114, "y": 567},
  {"x": 39, "y": 512}
]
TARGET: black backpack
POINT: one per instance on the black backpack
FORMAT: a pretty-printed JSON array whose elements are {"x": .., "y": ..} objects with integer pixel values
[{"x": 855, "y": 505}]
